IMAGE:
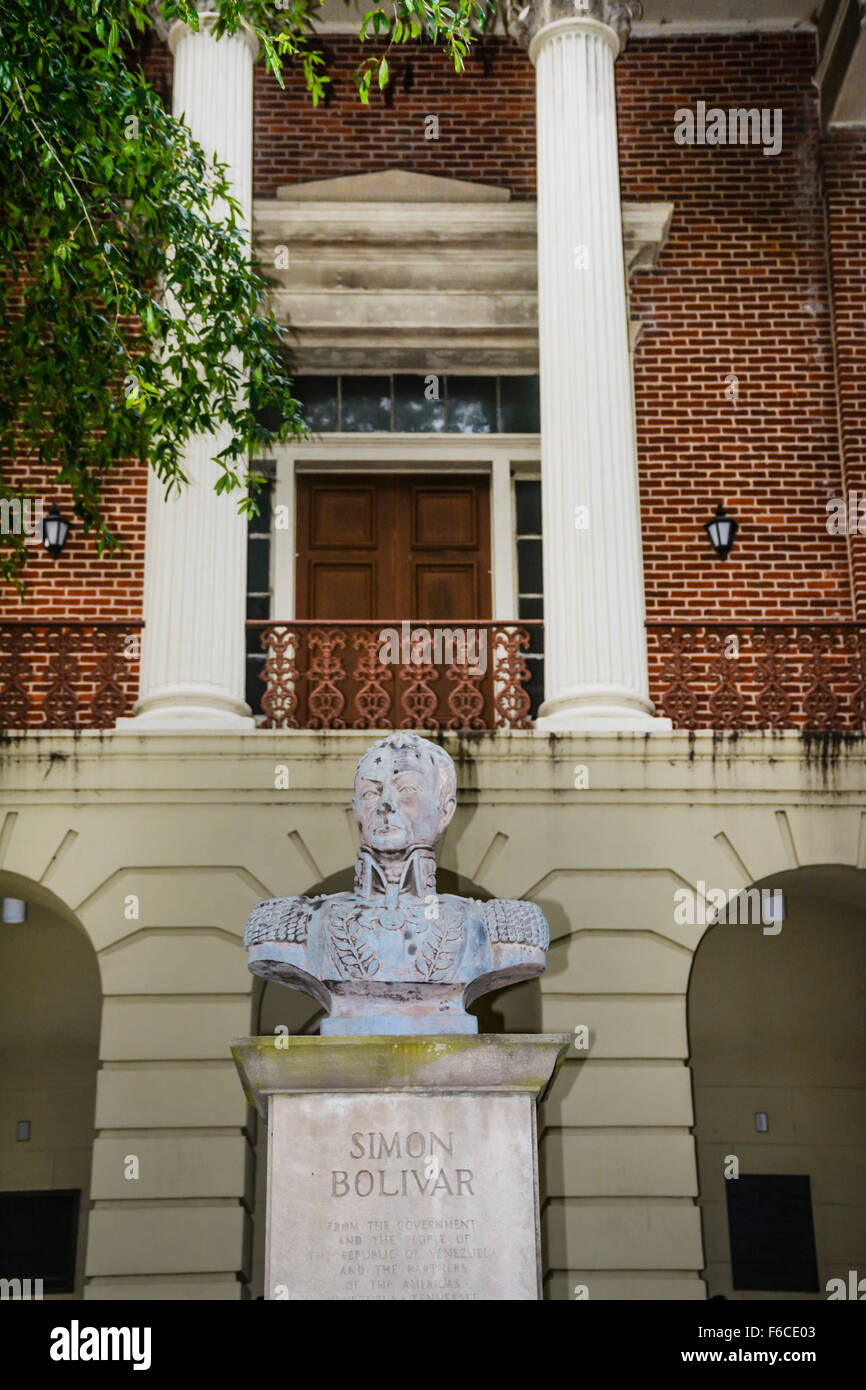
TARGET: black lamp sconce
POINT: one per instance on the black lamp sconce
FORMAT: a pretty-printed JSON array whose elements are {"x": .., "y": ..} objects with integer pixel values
[
  {"x": 55, "y": 529},
  {"x": 722, "y": 531}
]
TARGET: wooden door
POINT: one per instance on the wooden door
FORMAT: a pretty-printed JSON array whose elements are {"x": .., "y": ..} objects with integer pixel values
[
  {"x": 393, "y": 546},
  {"x": 389, "y": 549}
]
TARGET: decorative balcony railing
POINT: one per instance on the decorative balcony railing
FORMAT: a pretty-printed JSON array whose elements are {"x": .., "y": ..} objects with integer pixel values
[
  {"x": 67, "y": 675},
  {"x": 349, "y": 675},
  {"x": 772, "y": 675},
  {"x": 381, "y": 675}
]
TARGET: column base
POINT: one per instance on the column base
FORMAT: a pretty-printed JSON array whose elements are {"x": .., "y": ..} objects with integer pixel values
[
  {"x": 188, "y": 707},
  {"x": 601, "y": 709}
]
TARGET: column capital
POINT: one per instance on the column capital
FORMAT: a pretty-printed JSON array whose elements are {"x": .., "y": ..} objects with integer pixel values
[
  {"x": 172, "y": 30},
  {"x": 527, "y": 22},
  {"x": 207, "y": 18}
]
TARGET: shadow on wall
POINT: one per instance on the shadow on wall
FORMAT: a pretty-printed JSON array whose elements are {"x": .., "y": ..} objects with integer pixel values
[
  {"x": 777, "y": 1040},
  {"x": 50, "y": 1011}
]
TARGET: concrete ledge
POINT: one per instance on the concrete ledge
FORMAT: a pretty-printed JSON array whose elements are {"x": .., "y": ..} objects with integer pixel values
[{"x": 486, "y": 1062}]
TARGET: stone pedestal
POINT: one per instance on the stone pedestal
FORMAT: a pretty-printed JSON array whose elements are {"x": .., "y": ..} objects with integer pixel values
[{"x": 401, "y": 1168}]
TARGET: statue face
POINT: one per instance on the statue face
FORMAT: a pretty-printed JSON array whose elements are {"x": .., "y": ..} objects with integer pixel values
[{"x": 396, "y": 801}]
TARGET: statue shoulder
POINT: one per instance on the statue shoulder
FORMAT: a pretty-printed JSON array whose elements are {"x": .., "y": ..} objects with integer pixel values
[
  {"x": 280, "y": 919},
  {"x": 511, "y": 920}
]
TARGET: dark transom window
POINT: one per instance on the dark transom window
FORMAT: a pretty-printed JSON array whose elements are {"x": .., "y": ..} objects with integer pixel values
[{"x": 431, "y": 404}]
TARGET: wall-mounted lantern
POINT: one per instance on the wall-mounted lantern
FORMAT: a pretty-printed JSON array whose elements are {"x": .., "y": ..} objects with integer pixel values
[
  {"x": 721, "y": 531},
  {"x": 55, "y": 529}
]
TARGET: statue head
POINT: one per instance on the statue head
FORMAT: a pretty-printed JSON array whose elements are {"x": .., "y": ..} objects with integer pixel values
[
  {"x": 394, "y": 955},
  {"x": 405, "y": 794}
]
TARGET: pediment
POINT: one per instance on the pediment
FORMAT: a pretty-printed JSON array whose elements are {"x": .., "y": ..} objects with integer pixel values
[{"x": 392, "y": 186}]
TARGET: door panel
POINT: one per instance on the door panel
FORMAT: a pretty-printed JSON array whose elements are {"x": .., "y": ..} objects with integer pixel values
[
  {"x": 342, "y": 591},
  {"x": 342, "y": 517},
  {"x": 393, "y": 546},
  {"x": 449, "y": 562},
  {"x": 445, "y": 516},
  {"x": 390, "y": 548},
  {"x": 338, "y": 562},
  {"x": 447, "y": 592}
]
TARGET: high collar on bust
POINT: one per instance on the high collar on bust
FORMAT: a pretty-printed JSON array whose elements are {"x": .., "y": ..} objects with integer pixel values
[{"x": 415, "y": 875}]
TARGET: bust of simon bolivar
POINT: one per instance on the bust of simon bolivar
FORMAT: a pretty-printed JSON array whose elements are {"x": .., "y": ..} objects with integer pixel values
[{"x": 395, "y": 956}]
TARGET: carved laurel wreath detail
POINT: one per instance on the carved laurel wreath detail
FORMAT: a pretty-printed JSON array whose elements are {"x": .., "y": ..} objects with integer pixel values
[
  {"x": 350, "y": 945},
  {"x": 442, "y": 942}
]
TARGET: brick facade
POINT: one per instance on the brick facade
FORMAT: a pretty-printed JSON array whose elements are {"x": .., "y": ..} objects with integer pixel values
[
  {"x": 845, "y": 185},
  {"x": 81, "y": 584},
  {"x": 486, "y": 120},
  {"x": 743, "y": 287}
]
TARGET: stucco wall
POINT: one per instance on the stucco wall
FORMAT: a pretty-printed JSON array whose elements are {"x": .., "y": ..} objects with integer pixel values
[
  {"x": 193, "y": 826},
  {"x": 777, "y": 1026},
  {"x": 49, "y": 1042}
]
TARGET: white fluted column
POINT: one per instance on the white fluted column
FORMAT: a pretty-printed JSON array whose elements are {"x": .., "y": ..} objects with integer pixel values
[
  {"x": 595, "y": 641},
  {"x": 192, "y": 668}
]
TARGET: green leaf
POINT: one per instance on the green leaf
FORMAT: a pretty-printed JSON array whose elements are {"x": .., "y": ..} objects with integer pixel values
[{"x": 99, "y": 182}]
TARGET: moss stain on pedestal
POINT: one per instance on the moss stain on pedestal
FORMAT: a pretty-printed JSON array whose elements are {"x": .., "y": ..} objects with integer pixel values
[{"x": 449, "y": 1062}]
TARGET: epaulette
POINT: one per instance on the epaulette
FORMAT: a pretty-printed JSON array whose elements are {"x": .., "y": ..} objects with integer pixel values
[
  {"x": 279, "y": 919},
  {"x": 516, "y": 921}
]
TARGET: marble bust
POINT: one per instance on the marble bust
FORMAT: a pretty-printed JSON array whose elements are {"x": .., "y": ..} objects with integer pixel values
[{"x": 395, "y": 956}]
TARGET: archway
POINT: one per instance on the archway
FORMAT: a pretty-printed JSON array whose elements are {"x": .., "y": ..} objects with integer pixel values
[
  {"x": 778, "y": 1058},
  {"x": 50, "y": 1010}
]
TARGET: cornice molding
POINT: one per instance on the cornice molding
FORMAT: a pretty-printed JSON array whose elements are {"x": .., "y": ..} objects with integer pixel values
[{"x": 418, "y": 286}]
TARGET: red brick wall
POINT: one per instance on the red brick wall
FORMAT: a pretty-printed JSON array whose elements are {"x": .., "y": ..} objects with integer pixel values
[
  {"x": 845, "y": 185},
  {"x": 80, "y": 583},
  {"x": 77, "y": 677},
  {"x": 742, "y": 287},
  {"x": 486, "y": 120}
]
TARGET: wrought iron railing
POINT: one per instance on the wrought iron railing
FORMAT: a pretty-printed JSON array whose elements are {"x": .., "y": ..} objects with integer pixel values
[
  {"x": 332, "y": 675},
  {"x": 67, "y": 674},
  {"x": 772, "y": 675},
  {"x": 350, "y": 675}
]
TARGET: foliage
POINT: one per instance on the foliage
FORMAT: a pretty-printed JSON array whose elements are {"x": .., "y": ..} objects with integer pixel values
[{"x": 132, "y": 317}]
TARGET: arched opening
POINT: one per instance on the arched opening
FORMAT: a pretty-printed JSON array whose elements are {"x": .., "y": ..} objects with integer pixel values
[
  {"x": 50, "y": 1009},
  {"x": 778, "y": 1058}
]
